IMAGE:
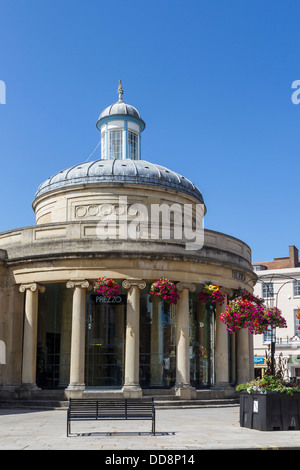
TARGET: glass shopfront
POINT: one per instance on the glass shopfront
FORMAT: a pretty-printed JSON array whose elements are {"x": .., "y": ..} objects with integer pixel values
[
  {"x": 54, "y": 337},
  {"x": 105, "y": 340},
  {"x": 202, "y": 342},
  {"x": 157, "y": 342}
]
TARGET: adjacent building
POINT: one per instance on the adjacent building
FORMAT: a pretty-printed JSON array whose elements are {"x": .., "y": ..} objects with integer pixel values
[{"x": 279, "y": 285}]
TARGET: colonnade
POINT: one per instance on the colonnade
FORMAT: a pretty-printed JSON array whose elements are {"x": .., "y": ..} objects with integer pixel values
[{"x": 131, "y": 387}]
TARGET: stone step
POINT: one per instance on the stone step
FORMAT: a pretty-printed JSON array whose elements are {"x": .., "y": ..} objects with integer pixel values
[
  {"x": 212, "y": 403},
  {"x": 33, "y": 404},
  {"x": 163, "y": 402}
]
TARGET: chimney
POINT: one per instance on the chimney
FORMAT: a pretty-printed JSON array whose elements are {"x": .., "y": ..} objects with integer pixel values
[{"x": 293, "y": 252}]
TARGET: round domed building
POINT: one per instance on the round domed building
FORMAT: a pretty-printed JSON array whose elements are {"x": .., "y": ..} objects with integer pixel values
[{"x": 127, "y": 223}]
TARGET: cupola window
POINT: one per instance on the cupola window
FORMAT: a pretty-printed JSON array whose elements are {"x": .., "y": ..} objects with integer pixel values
[
  {"x": 132, "y": 145},
  {"x": 116, "y": 144},
  {"x": 103, "y": 149}
]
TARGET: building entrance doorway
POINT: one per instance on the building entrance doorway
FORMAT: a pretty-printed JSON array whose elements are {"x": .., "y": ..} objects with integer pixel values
[{"x": 105, "y": 341}]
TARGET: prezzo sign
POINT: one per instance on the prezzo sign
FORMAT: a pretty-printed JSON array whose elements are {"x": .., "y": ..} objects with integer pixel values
[{"x": 114, "y": 299}]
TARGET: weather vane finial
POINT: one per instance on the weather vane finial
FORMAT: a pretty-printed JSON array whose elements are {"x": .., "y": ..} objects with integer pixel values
[{"x": 120, "y": 92}]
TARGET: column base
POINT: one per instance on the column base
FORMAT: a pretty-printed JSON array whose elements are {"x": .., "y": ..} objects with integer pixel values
[
  {"x": 27, "y": 390},
  {"x": 9, "y": 392},
  {"x": 75, "y": 391},
  {"x": 225, "y": 387},
  {"x": 185, "y": 392},
  {"x": 132, "y": 391}
]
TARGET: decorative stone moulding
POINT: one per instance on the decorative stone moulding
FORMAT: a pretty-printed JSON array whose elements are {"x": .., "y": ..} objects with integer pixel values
[
  {"x": 127, "y": 283},
  {"x": 83, "y": 284},
  {"x": 33, "y": 287}
]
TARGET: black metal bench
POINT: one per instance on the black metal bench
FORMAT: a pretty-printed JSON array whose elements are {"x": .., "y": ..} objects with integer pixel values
[{"x": 84, "y": 409}]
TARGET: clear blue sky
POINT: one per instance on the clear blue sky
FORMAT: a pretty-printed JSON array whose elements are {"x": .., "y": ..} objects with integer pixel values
[{"x": 211, "y": 79}]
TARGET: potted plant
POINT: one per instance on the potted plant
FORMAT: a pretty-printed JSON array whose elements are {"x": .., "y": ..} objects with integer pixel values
[
  {"x": 107, "y": 287},
  {"x": 211, "y": 293},
  {"x": 269, "y": 404},
  {"x": 165, "y": 290}
]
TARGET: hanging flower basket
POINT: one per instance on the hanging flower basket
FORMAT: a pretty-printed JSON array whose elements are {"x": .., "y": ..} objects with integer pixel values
[
  {"x": 211, "y": 293},
  {"x": 273, "y": 316},
  {"x": 165, "y": 290},
  {"x": 248, "y": 296},
  {"x": 106, "y": 287},
  {"x": 251, "y": 313}
]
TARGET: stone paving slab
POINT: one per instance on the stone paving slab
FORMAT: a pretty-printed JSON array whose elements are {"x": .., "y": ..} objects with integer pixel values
[{"x": 177, "y": 429}]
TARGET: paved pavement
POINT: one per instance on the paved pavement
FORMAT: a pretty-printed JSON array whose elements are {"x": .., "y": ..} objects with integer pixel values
[{"x": 180, "y": 429}]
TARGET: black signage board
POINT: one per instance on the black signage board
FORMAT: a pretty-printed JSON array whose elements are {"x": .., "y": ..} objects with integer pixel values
[{"x": 112, "y": 300}]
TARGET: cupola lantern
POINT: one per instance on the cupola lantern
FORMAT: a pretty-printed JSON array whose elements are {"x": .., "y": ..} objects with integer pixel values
[{"x": 120, "y": 126}]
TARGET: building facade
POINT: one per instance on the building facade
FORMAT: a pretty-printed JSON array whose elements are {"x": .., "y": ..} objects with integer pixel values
[
  {"x": 279, "y": 285},
  {"x": 135, "y": 222}
]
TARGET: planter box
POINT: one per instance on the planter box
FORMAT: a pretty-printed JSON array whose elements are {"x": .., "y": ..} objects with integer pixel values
[{"x": 270, "y": 411}]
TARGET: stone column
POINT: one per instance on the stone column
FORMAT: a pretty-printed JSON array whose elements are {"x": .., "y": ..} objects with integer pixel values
[
  {"x": 132, "y": 386},
  {"x": 76, "y": 385},
  {"x": 222, "y": 351},
  {"x": 183, "y": 386},
  {"x": 30, "y": 335},
  {"x": 65, "y": 337},
  {"x": 243, "y": 356}
]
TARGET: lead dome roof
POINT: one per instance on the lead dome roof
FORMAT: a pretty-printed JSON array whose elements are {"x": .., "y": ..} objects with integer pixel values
[
  {"x": 120, "y": 108},
  {"x": 119, "y": 171}
]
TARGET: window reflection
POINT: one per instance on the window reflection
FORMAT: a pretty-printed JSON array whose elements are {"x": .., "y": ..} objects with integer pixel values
[
  {"x": 157, "y": 342},
  {"x": 202, "y": 318},
  {"x": 105, "y": 342}
]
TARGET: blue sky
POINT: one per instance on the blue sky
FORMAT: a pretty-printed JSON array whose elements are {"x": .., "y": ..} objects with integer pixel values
[{"x": 211, "y": 79}]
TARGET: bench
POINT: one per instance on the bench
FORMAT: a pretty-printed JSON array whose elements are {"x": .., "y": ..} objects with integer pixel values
[{"x": 85, "y": 409}]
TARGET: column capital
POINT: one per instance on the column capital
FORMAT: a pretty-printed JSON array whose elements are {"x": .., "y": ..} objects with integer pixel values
[
  {"x": 185, "y": 285},
  {"x": 33, "y": 286},
  {"x": 127, "y": 283},
  {"x": 83, "y": 283}
]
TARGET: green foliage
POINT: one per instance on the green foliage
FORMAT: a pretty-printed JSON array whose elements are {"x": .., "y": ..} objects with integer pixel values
[{"x": 269, "y": 383}]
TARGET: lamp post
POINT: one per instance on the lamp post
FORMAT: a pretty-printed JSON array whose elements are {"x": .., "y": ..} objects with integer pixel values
[{"x": 273, "y": 342}]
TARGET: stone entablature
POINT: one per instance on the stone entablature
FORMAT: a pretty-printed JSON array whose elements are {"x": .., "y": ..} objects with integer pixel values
[
  {"x": 29, "y": 242},
  {"x": 58, "y": 244},
  {"x": 49, "y": 259}
]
